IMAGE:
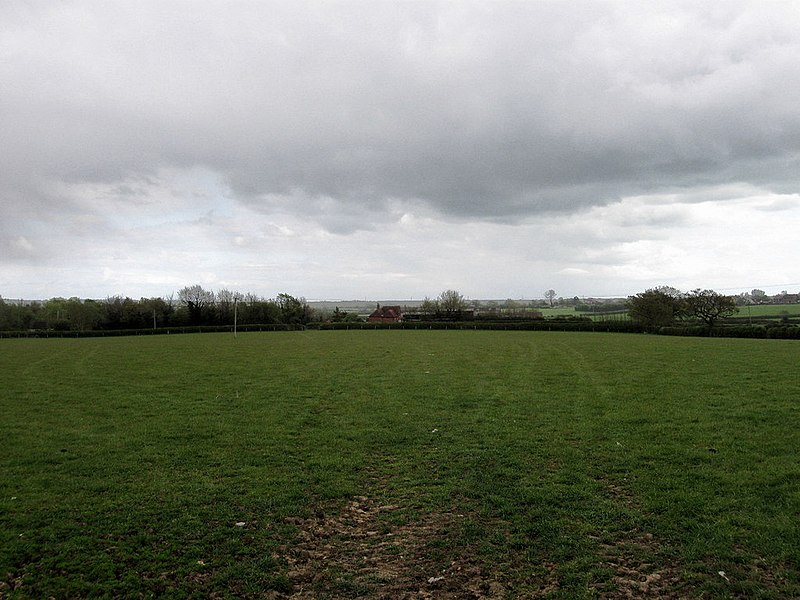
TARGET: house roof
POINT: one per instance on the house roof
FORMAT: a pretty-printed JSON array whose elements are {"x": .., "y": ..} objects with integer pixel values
[{"x": 386, "y": 312}]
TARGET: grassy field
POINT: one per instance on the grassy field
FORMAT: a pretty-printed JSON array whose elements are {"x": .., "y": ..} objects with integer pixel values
[
  {"x": 560, "y": 311},
  {"x": 754, "y": 311},
  {"x": 769, "y": 310},
  {"x": 570, "y": 313},
  {"x": 447, "y": 464}
]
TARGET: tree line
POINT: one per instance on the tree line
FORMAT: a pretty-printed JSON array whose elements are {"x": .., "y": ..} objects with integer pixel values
[
  {"x": 196, "y": 306},
  {"x": 193, "y": 306}
]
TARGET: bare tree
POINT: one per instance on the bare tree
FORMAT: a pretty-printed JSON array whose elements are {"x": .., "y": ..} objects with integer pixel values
[
  {"x": 452, "y": 303},
  {"x": 226, "y": 300},
  {"x": 429, "y": 307},
  {"x": 550, "y": 296},
  {"x": 197, "y": 301}
]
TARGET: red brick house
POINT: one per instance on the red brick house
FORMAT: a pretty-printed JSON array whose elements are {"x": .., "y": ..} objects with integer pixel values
[{"x": 386, "y": 314}]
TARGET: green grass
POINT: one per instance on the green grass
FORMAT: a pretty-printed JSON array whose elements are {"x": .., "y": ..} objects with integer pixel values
[
  {"x": 754, "y": 311},
  {"x": 556, "y": 462},
  {"x": 560, "y": 311},
  {"x": 570, "y": 312},
  {"x": 769, "y": 310}
]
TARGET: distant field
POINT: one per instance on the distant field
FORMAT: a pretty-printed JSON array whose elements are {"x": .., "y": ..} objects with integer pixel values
[
  {"x": 769, "y": 310},
  {"x": 567, "y": 311},
  {"x": 400, "y": 463},
  {"x": 758, "y": 310},
  {"x": 561, "y": 311}
]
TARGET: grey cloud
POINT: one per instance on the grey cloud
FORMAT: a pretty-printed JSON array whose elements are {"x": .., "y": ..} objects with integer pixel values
[
  {"x": 19, "y": 250},
  {"x": 673, "y": 217},
  {"x": 481, "y": 111}
]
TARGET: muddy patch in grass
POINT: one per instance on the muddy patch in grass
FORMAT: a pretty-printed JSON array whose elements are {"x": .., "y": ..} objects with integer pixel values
[
  {"x": 376, "y": 550},
  {"x": 371, "y": 550},
  {"x": 638, "y": 563},
  {"x": 639, "y": 572}
]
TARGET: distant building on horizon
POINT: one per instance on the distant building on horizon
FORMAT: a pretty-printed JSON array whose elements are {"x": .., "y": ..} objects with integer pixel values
[{"x": 386, "y": 314}]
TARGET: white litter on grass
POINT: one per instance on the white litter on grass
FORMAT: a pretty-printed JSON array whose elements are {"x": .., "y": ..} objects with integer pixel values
[
  {"x": 722, "y": 574},
  {"x": 435, "y": 579},
  {"x": 434, "y": 430},
  {"x": 202, "y": 563},
  {"x": 241, "y": 524}
]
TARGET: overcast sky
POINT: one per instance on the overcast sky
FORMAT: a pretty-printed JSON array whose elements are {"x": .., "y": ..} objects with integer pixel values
[{"x": 391, "y": 150}]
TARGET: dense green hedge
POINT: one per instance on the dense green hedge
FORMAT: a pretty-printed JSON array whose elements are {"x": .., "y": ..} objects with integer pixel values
[
  {"x": 150, "y": 331},
  {"x": 789, "y": 332},
  {"x": 499, "y": 325},
  {"x": 734, "y": 331}
]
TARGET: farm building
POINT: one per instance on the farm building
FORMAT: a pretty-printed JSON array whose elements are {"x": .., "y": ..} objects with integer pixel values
[{"x": 386, "y": 314}]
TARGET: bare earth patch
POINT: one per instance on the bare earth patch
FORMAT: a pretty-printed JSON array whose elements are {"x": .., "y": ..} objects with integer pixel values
[
  {"x": 368, "y": 550},
  {"x": 636, "y": 577},
  {"x": 360, "y": 553},
  {"x": 632, "y": 558}
]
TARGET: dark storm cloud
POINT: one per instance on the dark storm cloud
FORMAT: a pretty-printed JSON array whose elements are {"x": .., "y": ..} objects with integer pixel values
[{"x": 336, "y": 110}]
